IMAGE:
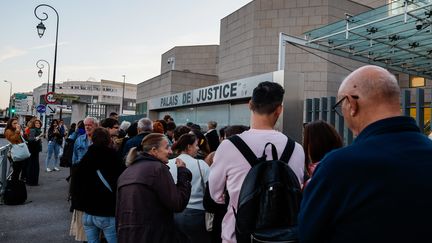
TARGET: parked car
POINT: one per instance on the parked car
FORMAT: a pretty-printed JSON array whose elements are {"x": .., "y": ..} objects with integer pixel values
[{"x": 2, "y": 129}]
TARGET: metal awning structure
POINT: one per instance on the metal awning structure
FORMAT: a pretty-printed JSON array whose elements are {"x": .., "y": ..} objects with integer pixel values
[{"x": 396, "y": 36}]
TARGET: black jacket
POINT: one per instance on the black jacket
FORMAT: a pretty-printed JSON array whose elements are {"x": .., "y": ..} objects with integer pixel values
[
  {"x": 90, "y": 193},
  {"x": 213, "y": 140}
]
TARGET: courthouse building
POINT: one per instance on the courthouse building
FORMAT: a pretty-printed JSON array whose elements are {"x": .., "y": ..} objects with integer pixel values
[{"x": 214, "y": 82}]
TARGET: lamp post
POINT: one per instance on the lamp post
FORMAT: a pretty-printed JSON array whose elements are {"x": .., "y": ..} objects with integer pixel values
[
  {"x": 41, "y": 66},
  {"x": 122, "y": 102},
  {"x": 41, "y": 30},
  {"x": 10, "y": 97}
]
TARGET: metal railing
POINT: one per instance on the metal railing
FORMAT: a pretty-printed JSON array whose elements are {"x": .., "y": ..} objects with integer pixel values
[
  {"x": 321, "y": 109},
  {"x": 4, "y": 167}
]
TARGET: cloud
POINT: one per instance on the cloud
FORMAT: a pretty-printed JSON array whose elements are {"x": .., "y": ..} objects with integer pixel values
[
  {"x": 11, "y": 52},
  {"x": 49, "y": 45}
]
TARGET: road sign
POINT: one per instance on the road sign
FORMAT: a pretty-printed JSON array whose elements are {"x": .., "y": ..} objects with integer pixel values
[
  {"x": 66, "y": 96},
  {"x": 49, "y": 98},
  {"x": 51, "y": 109},
  {"x": 20, "y": 96},
  {"x": 41, "y": 109}
]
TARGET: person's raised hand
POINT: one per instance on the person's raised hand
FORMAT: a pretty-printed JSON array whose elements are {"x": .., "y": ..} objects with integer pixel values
[{"x": 180, "y": 163}]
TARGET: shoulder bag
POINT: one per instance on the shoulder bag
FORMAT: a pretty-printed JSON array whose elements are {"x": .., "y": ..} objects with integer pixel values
[
  {"x": 208, "y": 216},
  {"x": 20, "y": 152},
  {"x": 103, "y": 180}
]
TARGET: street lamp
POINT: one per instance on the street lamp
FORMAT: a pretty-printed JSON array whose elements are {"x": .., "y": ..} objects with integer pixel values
[
  {"x": 122, "y": 102},
  {"x": 41, "y": 30},
  {"x": 41, "y": 66},
  {"x": 10, "y": 97}
]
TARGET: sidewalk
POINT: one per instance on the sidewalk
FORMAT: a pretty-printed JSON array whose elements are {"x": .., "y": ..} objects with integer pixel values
[{"x": 45, "y": 217}]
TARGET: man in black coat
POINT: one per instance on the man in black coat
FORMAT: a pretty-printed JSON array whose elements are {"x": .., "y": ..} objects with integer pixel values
[
  {"x": 212, "y": 136},
  {"x": 145, "y": 127}
]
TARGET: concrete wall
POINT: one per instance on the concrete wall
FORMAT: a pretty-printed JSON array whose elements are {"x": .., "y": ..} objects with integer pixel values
[
  {"x": 250, "y": 41},
  {"x": 196, "y": 59},
  {"x": 372, "y": 3},
  {"x": 172, "y": 82}
]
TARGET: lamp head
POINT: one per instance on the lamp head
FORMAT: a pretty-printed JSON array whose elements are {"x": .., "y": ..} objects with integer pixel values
[
  {"x": 41, "y": 29},
  {"x": 40, "y": 73},
  {"x": 419, "y": 24}
]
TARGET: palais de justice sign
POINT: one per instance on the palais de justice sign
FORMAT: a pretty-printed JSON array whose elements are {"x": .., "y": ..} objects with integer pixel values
[{"x": 238, "y": 89}]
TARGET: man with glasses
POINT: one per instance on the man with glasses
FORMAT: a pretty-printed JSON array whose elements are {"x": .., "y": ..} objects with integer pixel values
[{"x": 378, "y": 188}]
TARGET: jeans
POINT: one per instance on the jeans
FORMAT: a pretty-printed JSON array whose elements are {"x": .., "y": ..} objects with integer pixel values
[
  {"x": 53, "y": 148},
  {"x": 93, "y": 226},
  {"x": 191, "y": 223}
]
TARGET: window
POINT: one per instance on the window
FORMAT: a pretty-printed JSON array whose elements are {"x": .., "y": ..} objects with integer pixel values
[{"x": 416, "y": 81}]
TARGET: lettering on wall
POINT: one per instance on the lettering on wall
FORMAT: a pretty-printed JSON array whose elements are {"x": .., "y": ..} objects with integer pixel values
[
  {"x": 184, "y": 98},
  {"x": 216, "y": 93},
  {"x": 169, "y": 101},
  {"x": 238, "y": 89}
]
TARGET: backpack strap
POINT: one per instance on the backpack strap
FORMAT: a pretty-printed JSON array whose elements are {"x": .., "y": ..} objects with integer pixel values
[
  {"x": 244, "y": 149},
  {"x": 289, "y": 149}
]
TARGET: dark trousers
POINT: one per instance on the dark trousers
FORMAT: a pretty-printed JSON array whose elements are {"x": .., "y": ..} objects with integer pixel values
[
  {"x": 17, "y": 167},
  {"x": 32, "y": 169},
  {"x": 191, "y": 223}
]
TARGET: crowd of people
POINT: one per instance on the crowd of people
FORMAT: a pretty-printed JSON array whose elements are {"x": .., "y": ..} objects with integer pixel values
[{"x": 155, "y": 181}]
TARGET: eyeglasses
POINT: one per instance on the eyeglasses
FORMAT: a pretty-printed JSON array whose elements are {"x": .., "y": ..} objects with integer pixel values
[{"x": 338, "y": 106}]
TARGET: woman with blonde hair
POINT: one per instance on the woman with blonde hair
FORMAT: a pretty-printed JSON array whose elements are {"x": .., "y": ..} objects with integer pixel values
[{"x": 147, "y": 196}]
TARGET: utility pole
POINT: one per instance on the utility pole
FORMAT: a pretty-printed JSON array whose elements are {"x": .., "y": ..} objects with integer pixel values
[{"x": 122, "y": 101}]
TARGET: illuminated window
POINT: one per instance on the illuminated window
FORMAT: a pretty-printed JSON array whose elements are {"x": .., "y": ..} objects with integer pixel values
[{"x": 416, "y": 81}]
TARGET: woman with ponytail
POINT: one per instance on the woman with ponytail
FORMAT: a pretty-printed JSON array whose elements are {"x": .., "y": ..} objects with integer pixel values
[
  {"x": 191, "y": 222},
  {"x": 147, "y": 196}
]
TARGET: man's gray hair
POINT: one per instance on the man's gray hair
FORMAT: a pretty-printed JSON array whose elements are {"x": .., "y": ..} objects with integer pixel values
[
  {"x": 145, "y": 125},
  {"x": 213, "y": 124},
  {"x": 95, "y": 121}
]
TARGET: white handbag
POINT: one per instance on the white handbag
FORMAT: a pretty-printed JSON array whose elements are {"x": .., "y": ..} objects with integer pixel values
[
  {"x": 209, "y": 217},
  {"x": 20, "y": 152}
]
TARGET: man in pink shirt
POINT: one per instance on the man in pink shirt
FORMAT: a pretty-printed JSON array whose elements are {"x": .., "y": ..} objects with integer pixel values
[{"x": 230, "y": 167}]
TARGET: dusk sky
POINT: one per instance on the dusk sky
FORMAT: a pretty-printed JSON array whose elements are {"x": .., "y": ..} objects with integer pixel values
[{"x": 101, "y": 39}]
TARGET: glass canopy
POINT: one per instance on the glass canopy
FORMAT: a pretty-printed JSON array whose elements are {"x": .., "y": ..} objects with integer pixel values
[{"x": 397, "y": 36}]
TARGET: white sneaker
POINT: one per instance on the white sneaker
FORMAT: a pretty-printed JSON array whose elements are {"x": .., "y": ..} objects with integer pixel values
[
  {"x": 56, "y": 169},
  {"x": 48, "y": 170}
]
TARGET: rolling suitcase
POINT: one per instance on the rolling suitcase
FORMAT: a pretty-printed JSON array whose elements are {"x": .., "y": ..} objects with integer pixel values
[{"x": 15, "y": 192}]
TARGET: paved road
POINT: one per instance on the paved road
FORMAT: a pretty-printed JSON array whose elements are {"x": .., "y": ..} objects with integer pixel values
[{"x": 45, "y": 217}]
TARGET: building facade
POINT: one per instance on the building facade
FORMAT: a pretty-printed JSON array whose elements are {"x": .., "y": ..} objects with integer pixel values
[
  {"x": 89, "y": 98},
  {"x": 249, "y": 47}
]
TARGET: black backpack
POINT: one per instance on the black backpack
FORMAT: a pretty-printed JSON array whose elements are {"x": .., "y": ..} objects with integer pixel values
[{"x": 269, "y": 199}]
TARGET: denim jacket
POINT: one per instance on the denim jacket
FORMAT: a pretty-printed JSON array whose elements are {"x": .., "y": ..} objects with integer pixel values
[{"x": 80, "y": 148}]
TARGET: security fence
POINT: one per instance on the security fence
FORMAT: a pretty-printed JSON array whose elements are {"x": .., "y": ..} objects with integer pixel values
[
  {"x": 321, "y": 109},
  {"x": 3, "y": 168}
]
